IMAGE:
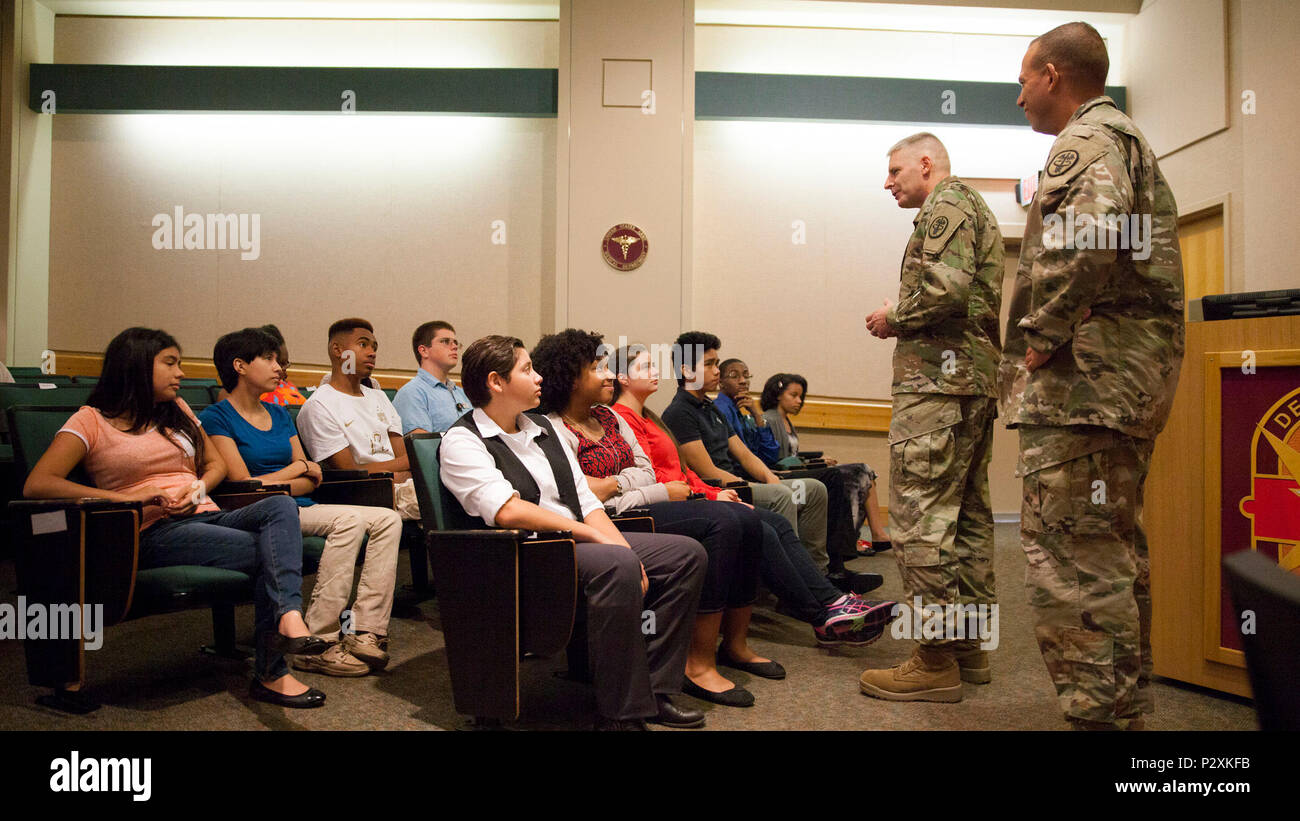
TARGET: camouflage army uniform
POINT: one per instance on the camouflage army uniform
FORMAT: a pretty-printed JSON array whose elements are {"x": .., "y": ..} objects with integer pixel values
[
  {"x": 1089, "y": 416},
  {"x": 945, "y": 388}
]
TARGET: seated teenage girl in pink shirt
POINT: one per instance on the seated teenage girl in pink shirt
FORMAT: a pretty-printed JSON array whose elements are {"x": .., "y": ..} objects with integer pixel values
[{"x": 139, "y": 442}]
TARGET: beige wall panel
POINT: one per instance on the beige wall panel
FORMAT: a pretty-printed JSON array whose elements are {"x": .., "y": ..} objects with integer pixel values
[
  {"x": 1245, "y": 162},
  {"x": 389, "y": 218},
  {"x": 1271, "y": 63},
  {"x": 860, "y": 53},
  {"x": 868, "y": 39},
  {"x": 390, "y": 43},
  {"x": 1178, "y": 44}
]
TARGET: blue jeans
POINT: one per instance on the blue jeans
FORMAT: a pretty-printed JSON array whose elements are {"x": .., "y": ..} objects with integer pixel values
[
  {"x": 263, "y": 540},
  {"x": 790, "y": 573}
]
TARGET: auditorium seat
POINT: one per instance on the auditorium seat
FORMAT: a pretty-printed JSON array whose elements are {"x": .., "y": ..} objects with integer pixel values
[
  {"x": 31, "y": 395},
  {"x": 501, "y": 594},
  {"x": 87, "y": 550}
]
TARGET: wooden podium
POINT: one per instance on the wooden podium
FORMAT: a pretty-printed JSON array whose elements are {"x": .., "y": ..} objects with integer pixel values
[{"x": 1217, "y": 485}]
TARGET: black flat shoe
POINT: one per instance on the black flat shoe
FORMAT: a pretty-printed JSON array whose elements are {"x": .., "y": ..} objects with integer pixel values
[
  {"x": 277, "y": 642},
  {"x": 260, "y": 692},
  {"x": 764, "y": 669},
  {"x": 670, "y": 715},
  {"x": 737, "y": 696}
]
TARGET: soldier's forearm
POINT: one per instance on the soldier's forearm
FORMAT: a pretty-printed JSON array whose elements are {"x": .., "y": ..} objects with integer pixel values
[{"x": 1074, "y": 288}]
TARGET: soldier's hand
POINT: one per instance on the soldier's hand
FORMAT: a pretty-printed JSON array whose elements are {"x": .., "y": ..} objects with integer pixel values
[
  {"x": 1035, "y": 360},
  {"x": 878, "y": 323}
]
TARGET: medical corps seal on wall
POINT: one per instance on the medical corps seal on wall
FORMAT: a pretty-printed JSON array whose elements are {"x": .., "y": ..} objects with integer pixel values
[{"x": 624, "y": 247}]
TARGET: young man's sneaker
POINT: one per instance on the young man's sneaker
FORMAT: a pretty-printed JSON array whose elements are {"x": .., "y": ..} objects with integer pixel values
[
  {"x": 930, "y": 674},
  {"x": 335, "y": 661},
  {"x": 370, "y": 648}
]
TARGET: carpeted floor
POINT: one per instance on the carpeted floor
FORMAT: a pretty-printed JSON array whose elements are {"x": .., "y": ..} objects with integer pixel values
[{"x": 149, "y": 676}]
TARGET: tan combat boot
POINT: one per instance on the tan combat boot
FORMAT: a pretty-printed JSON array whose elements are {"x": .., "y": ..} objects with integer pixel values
[
  {"x": 930, "y": 674},
  {"x": 974, "y": 664}
]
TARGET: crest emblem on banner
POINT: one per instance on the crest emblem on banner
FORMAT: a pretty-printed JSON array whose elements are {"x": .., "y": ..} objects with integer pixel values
[{"x": 1273, "y": 505}]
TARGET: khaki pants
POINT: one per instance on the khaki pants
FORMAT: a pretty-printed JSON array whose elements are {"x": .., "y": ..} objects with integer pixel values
[{"x": 344, "y": 528}]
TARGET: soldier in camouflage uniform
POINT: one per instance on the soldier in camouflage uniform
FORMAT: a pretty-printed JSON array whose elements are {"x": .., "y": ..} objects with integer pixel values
[
  {"x": 1094, "y": 344},
  {"x": 941, "y": 432}
]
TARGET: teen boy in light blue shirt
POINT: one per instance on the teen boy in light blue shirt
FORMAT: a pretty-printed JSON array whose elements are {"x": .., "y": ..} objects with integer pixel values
[{"x": 431, "y": 402}]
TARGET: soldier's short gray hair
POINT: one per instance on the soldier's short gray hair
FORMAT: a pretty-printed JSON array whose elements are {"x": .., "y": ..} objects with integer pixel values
[{"x": 927, "y": 144}]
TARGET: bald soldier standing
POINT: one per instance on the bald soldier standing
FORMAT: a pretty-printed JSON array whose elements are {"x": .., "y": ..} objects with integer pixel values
[
  {"x": 1094, "y": 344},
  {"x": 941, "y": 431}
]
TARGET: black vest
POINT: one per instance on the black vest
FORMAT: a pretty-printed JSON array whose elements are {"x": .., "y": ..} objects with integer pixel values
[{"x": 515, "y": 472}]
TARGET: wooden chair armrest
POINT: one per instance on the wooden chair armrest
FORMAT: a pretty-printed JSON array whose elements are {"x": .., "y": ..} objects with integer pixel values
[
  {"x": 228, "y": 500},
  {"x": 634, "y": 520},
  {"x": 374, "y": 490},
  {"x": 26, "y": 507},
  {"x": 239, "y": 486},
  {"x": 743, "y": 490},
  {"x": 504, "y": 534},
  {"x": 331, "y": 475}
]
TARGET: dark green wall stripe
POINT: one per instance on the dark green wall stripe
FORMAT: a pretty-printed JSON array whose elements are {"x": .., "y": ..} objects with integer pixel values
[
  {"x": 90, "y": 89},
  {"x": 727, "y": 96},
  {"x": 510, "y": 92}
]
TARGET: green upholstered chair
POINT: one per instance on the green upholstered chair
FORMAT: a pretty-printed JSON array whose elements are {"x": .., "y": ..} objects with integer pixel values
[
  {"x": 196, "y": 396},
  {"x": 17, "y": 371},
  {"x": 87, "y": 551},
  {"x": 27, "y": 394}
]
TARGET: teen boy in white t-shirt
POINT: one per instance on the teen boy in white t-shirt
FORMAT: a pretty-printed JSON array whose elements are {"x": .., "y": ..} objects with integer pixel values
[{"x": 347, "y": 426}]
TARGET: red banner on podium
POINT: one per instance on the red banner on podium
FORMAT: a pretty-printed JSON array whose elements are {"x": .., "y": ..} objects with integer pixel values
[{"x": 1259, "y": 470}]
